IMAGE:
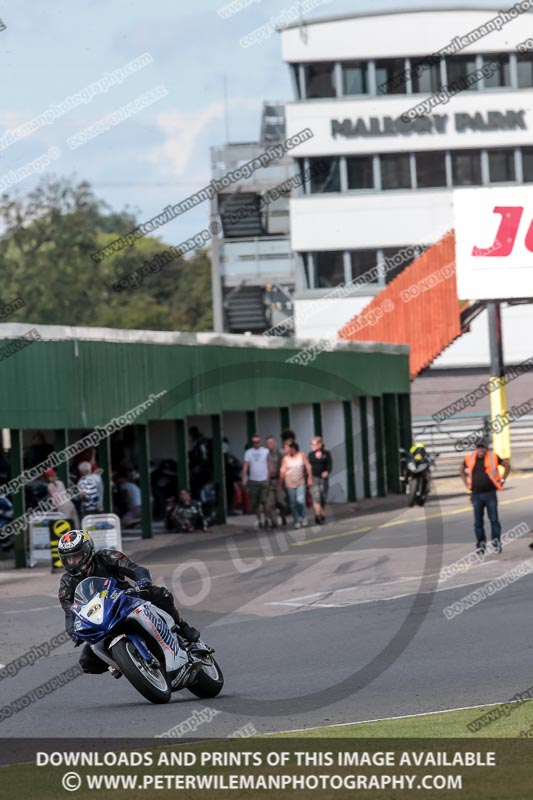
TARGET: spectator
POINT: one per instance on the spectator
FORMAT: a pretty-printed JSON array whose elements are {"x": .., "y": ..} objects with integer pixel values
[
  {"x": 255, "y": 475},
  {"x": 295, "y": 473},
  {"x": 200, "y": 461},
  {"x": 58, "y": 496},
  {"x": 132, "y": 500},
  {"x": 276, "y": 495},
  {"x": 5, "y": 470},
  {"x": 164, "y": 485},
  {"x": 38, "y": 451},
  {"x": 89, "y": 454},
  {"x": 288, "y": 435},
  {"x": 232, "y": 472},
  {"x": 321, "y": 463},
  {"x": 189, "y": 514},
  {"x": 90, "y": 490},
  {"x": 6, "y": 511},
  {"x": 482, "y": 478}
]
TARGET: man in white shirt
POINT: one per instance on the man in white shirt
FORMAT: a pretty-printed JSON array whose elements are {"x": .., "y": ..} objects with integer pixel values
[
  {"x": 90, "y": 490},
  {"x": 255, "y": 476}
]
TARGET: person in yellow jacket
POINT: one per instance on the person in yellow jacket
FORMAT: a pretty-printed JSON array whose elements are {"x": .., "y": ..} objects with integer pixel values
[{"x": 482, "y": 478}]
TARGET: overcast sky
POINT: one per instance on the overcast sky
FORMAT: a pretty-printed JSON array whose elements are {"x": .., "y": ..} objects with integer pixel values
[{"x": 51, "y": 49}]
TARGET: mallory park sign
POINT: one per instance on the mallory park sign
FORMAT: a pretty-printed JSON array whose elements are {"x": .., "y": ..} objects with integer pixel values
[{"x": 434, "y": 123}]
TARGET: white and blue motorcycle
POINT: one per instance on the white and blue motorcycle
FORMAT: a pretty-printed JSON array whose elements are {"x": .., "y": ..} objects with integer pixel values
[{"x": 138, "y": 640}]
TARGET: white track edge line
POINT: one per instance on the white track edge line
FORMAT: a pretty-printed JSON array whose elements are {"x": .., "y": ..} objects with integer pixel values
[{"x": 404, "y": 716}]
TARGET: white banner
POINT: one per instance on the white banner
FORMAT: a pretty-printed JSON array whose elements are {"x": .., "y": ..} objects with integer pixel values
[
  {"x": 39, "y": 537},
  {"x": 104, "y": 530},
  {"x": 494, "y": 242}
]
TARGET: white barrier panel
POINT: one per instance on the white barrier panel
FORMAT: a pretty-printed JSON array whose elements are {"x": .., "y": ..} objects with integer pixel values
[
  {"x": 494, "y": 242},
  {"x": 39, "y": 537},
  {"x": 104, "y": 530}
]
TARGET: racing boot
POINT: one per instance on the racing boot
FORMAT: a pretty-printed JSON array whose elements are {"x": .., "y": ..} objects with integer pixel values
[
  {"x": 188, "y": 632},
  {"x": 185, "y": 630}
]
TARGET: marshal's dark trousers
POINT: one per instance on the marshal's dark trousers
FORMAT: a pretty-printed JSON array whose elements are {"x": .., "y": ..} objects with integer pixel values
[{"x": 489, "y": 501}]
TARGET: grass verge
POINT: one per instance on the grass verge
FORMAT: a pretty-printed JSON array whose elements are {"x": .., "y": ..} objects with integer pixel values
[{"x": 502, "y": 720}]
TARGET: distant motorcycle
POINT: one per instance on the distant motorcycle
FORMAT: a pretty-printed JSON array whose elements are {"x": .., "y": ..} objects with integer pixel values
[
  {"x": 138, "y": 640},
  {"x": 415, "y": 474}
]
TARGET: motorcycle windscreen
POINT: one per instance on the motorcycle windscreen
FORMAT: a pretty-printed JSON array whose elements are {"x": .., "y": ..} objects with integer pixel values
[{"x": 88, "y": 588}]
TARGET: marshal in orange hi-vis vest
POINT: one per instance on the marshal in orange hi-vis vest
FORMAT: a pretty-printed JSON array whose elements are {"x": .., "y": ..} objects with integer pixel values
[{"x": 491, "y": 468}]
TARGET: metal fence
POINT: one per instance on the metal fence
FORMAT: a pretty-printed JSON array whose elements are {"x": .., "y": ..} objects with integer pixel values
[{"x": 441, "y": 437}]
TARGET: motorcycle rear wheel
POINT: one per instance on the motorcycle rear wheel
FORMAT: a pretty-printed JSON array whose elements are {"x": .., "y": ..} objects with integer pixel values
[
  {"x": 151, "y": 683},
  {"x": 209, "y": 681}
]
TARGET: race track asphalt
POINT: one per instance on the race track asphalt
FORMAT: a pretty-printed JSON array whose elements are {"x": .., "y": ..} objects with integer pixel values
[{"x": 320, "y": 626}]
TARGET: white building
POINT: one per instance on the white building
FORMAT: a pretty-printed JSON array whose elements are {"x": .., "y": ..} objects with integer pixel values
[
  {"x": 252, "y": 262},
  {"x": 389, "y": 183}
]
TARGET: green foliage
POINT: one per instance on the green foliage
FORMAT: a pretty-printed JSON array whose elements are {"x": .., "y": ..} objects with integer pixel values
[{"x": 45, "y": 257}]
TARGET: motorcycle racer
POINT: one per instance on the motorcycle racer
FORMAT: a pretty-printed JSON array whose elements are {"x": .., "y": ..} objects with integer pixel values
[{"x": 80, "y": 560}]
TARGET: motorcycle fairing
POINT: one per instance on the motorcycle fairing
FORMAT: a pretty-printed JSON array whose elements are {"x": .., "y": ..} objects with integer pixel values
[
  {"x": 102, "y": 612},
  {"x": 99, "y": 612},
  {"x": 158, "y": 623}
]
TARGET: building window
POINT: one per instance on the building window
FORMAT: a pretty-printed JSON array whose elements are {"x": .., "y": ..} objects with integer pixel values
[
  {"x": 524, "y": 66},
  {"x": 458, "y": 68},
  {"x": 302, "y": 175},
  {"x": 527, "y": 164},
  {"x": 329, "y": 268},
  {"x": 325, "y": 174},
  {"x": 391, "y": 76},
  {"x": 319, "y": 80},
  {"x": 466, "y": 168},
  {"x": 362, "y": 262},
  {"x": 396, "y": 259},
  {"x": 307, "y": 263},
  {"x": 355, "y": 78},
  {"x": 425, "y": 77},
  {"x": 501, "y": 166},
  {"x": 295, "y": 69},
  {"x": 395, "y": 171},
  {"x": 501, "y": 72},
  {"x": 360, "y": 172},
  {"x": 430, "y": 169}
]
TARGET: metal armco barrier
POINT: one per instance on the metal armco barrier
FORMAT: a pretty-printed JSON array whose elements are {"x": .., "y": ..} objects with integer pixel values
[{"x": 441, "y": 436}]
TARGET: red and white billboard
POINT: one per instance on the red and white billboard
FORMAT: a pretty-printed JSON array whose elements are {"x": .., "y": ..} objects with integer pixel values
[{"x": 494, "y": 242}]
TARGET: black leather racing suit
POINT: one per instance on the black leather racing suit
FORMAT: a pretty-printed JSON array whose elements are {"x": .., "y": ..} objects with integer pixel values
[{"x": 117, "y": 565}]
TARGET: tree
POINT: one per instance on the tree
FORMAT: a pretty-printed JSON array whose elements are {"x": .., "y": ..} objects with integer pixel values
[{"x": 45, "y": 253}]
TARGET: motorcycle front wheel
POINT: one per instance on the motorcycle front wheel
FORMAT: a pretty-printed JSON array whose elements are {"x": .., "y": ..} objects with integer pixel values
[
  {"x": 424, "y": 491},
  {"x": 209, "y": 681},
  {"x": 411, "y": 500},
  {"x": 150, "y": 681}
]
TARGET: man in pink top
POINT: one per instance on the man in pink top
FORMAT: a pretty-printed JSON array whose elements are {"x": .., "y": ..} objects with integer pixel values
[{"x": 296, "y": 473}]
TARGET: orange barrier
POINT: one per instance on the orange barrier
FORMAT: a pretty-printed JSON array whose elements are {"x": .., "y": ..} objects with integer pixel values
[{"x": 419, "y": 308}]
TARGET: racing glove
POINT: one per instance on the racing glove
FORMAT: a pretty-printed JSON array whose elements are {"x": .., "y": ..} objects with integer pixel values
[{"x": 143, "y": 583}]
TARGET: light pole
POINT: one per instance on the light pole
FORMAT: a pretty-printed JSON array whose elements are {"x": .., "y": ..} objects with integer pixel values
[
  {"x": 498, "y": 396},
  {"x": 216, "y": 285}
]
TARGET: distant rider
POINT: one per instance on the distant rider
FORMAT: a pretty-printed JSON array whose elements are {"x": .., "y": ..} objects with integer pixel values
[
  {"x": 189, "y": 514},
  {"x": 418, "y": 453},
  {"x": 80, "y": 560}
]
